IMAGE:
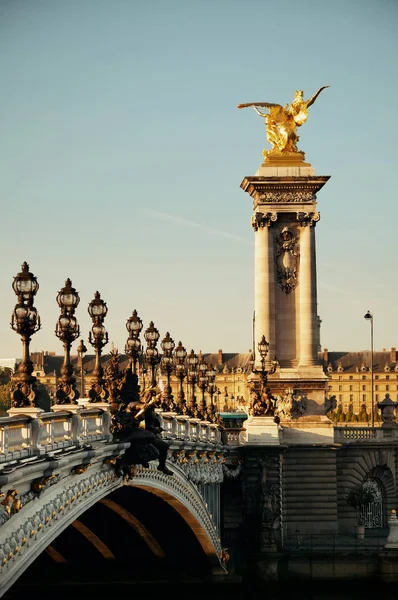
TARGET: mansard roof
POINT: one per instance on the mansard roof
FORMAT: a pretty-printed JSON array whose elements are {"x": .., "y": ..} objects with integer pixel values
[{"x": 353, "y": 361}]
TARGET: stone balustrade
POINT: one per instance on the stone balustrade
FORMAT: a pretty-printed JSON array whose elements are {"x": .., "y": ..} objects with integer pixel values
[
  {"x": 23, "y": 436},
  {"x": 348, "y": 435}
]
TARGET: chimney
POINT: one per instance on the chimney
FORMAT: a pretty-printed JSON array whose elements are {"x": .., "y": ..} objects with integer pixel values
[
  {"x": 393, "y": 355},
  {"x": 219, "y": 360},
  {"x": 326, "y": 356}
]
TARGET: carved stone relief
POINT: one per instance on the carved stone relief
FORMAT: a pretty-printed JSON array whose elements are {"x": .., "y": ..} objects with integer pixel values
[
  {"x": 290, "y": 406},
  {"x": 287, "y": 260}
]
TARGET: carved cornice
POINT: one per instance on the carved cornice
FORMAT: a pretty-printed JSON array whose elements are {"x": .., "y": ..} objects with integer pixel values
[
  {"x": 283, "y": 190},
  {"x": 260, "y": 220},
  {"x": 308, "y": 218}
]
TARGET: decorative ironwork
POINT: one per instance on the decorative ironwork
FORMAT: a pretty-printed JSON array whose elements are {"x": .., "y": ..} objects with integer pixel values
[
  {"x": 133, "y": 346},
  {"x": 81, "y": 351},
  {"x": 180, "y": 355},
  {"x": 167, "y": 366},
  {"x": 152, "y": 359},
  {"x": 212, "y": 389},
  {"x": 67, "y": 330},
  {"x": 203, "y": 382},
  {"x": 192, "y": 378},
  {"x": 262, "y": 403},
  {"x": 25, "y": 321},
  {"x": 371, "y": 515},
  {"x": 98, "y": 338}
]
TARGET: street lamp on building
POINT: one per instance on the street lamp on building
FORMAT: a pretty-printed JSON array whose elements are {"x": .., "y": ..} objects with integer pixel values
[
  {"x": 81, "y": 351},
  {"x": 369, "y": 317},
  {"x": 152, "y": 336},
  {"x": 133, "y": 347},
  {"x": 67, "y": 330},
  {"x": 25, "y": 321},
  {"x": 98, "y": 338}
]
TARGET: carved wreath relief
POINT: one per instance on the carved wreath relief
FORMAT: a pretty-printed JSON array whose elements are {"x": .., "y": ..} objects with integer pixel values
[{"x": 287, "y": 260}]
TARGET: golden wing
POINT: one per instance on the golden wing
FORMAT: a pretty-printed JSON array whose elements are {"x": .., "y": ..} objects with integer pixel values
[{"x": 266, "y": 104}]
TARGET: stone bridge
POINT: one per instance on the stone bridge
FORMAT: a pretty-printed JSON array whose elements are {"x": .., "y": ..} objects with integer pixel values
[{"x": 57, "y": 470}]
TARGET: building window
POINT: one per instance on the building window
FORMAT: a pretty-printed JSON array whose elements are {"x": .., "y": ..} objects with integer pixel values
[
  {"x": 340, "y": 388},
  {"x": 364, "y": 388},
  {"x": 364, "y": 377},
  {"x": 351, "y": 388},
  {"x": 350, "y": 377},
  {"x": 376, "y": 387},
  {"x": 377, "y": 397},
  {"x": 351, "y": 397},
  {"x": 238, "y": 389},
  {"x": 387, "y": 388},
  {"x": 363, "y": 397},
  {"x": 340, "y": 398},
  {"x": 340, "y": 377},
  {"x": 387, "y": 377},
  {"x": 376, "y": 377}
]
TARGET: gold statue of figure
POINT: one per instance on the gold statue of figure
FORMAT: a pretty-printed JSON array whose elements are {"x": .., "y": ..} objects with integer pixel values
[{"x": 282, "y": 121}]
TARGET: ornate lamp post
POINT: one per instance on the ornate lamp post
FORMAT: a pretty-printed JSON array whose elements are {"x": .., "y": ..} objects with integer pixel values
[
  {"x": 133, "y": 347},
  {"x": 152, "y": 336},
  {"x": 212, "y": 388},
  {"x": 67, "y": 330},
  {"x": 259, "y": 387},
  {"x": 369, "y": 317},
  {"x": 263, "y": 347},
  {"x": 98, "y": 338},
  {"x": 180, "y": 355},
  {"x": 203, "y": 383},
  {"x": 25, "y": 321},
  {"x": 192, "y": 377},
  {"x": 81, "y": 351},
  {"x": 167, "y": 366}
]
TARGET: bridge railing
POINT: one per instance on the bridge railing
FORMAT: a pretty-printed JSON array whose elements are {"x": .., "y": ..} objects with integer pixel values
[
  {"x": 349, "y": 435},
  {"x": 186, "y": 429},
  {"x": 24, "y": 436}
]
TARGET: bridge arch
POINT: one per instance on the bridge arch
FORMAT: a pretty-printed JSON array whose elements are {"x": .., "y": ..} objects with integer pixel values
[{"x": 45, "y": 516}]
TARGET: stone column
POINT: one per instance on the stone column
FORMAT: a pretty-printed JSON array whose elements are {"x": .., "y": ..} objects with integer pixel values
[
  {"x": 308, "y": 321},
  {"x": 264, "y": 283}
]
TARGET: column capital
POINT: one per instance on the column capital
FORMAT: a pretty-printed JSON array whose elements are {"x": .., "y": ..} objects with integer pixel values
[
  {"x": 260, "y": 219},
  {"x": 308, "y": 218}
]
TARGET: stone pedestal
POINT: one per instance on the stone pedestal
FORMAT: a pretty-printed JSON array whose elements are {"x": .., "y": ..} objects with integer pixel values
[
  {"x": 98, "y": 406},
  {"x": 30, "y": 411},
  {"x": 262, "y": 431},
  {"x": 71, "y": 408},
  {"x": 392, "y": 540}
]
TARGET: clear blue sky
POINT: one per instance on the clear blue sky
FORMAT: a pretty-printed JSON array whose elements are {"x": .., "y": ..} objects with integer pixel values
[{"x": 122, "y": 152}]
